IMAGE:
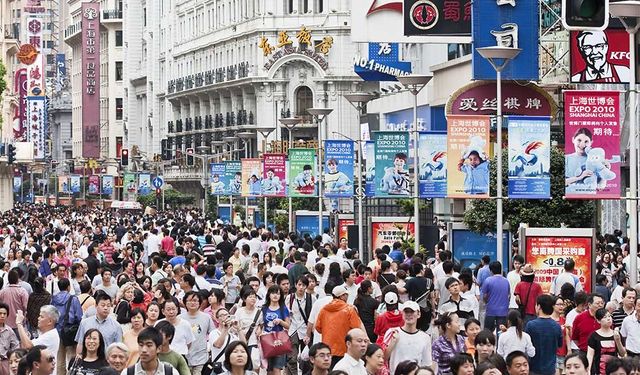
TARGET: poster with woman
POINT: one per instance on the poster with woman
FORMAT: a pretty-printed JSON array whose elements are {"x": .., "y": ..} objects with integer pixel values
[
  {"x": 94, "y": 184},
  {"x": 468, "y": 156},
  {"x": 251, "y": 177},
  {"x": 392, "y": 173}
]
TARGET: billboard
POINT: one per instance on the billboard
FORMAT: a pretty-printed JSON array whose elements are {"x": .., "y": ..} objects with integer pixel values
[
  {"x": 217, "y": 180},
  {"x": 74, "y": 183},
  {"x": 302, "y": 172},
  {"x": 94, "y": 185},
  {"x": 437, "y": 17},
  {"x": 63, "y": 184},
  {"x": 91, "y": 80},
  {"x": 17, "y": 184},
  {"x": 338, "y": 168},
  {"x": 233, "y": 177},
  {"x": 307, "y": 223},
  {"x": 224, "y": 213},
  {"x": 107, "y": 185},
  {"x": 342, "y": 225},
  {"x": 144, "y": 183},
  {"x": 387, "y": 230},
  {"x": 392, "y": 174},
  {"x": 468, "y": 156},
  {"x": 592, "y": 144},
  {"x": 37, "y": 125},
  {"x": 432, "y": 165},
  {"x": 274, "y": 175},
  {"x": 382, "y": 64},
  {"x": 251, "y": 177},
  {"x": 469, "y": 247},
  {"x": 600, "y": 56},
  {"x": 61, "y": 71},
  {"x": 529, "y": 157},
  {"x": 35, "y": 68}
]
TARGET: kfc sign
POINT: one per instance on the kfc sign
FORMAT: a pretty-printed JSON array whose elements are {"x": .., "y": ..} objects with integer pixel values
[{"x": 600, "y": 56}]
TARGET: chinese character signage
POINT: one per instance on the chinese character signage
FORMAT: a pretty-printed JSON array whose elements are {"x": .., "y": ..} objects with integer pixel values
[
  {"x": 338, "y": 168},
  {"x": 302, "y": 172},
  {"x": 107, "y": 185},
  {"x": 35, "y": 60},
  {"x": 305, "y": 46},
  {"x": 468, "y": 156},
  {"x": 94, "y": 185},
  {"x": 74, "y": 181},
  {"x": 382, "y": 64},
  {"x": 469, "y": 247},
  {"x": 592, "y": 144},
  {"x": 144, "y": 184},
  {"x": 233, "y": 177},
  {"x": 392, "y": 173},
  {"x": 37, "y": 125},
  {"x": 529, "y": 157},
  {"x": 506, "y": 23},
  {"x": 370, "y": 169},
  {"x": 432, "y": 164},
  {"x": 34, "y": 6},
  {"x": 437, "y": 17},
  {"x": 217, "y": 179},
  {"x": 600, "y": 56},
  {"x": 251, "y": 177},
  {"x": 343, "y": 227},
  {"x": 274, "y": 176},
  {"x": 61, "y": 70},
  {"x": 385, "y": 231},
  {"x": 20, "y": 110},
  {"x": 90, "y": 80}
]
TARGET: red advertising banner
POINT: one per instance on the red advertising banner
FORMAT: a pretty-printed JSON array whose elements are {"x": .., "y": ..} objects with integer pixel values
[
  {"x": 20, "y": 111},
  {"x": 386, "y": 233},
  {"x": 343, "y": 225},
  {"x": 274, "y": 176},
  {"x": 592, "y": 144},
  {"x": 35, "y": 66},
  {"x": 547, "y": 255},
  {"x": 91, "y": 80},
  {"x": 600, "y": 56}
]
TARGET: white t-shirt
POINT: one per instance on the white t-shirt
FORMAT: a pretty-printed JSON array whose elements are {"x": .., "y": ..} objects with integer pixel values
[
  {"x": 514, "y": 278},
  {"x": 568, "y": 322},
  {"x": 213, "y": 336},
  {"x": 182, "y": 338},
  {"x": 313, "y": 315},
  {"x": 50, "y": 339},
  {"x": 410, "y": 346}
]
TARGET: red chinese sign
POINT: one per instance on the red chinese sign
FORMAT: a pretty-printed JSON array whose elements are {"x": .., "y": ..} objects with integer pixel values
[{"x": 90, "y": 80}]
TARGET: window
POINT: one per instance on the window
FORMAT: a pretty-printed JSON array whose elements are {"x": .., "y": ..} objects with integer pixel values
[
  {"x": 119, "y": 72},
  {"x": 119, "y": 109},
  {"x": 118, "y": 38},
  {"x": 144, "y": 20},
  {"x": 304, "y": 101},
  {"x": 320, "y": 6}
]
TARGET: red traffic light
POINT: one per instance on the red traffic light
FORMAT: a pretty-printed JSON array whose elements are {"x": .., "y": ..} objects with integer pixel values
[
  {"x": 190, "y": 151},
  {"x": 158, "y": 191}
]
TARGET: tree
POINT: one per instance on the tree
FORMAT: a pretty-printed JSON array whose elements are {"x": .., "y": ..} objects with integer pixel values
[{"x": 481, "y": 217}]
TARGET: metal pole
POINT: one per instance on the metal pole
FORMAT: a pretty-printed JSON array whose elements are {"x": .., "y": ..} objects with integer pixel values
[
  {"x": 290, "y": 200},
  {"x": 499, "y": 165},
  {"x": 320, "y": 228},
  {"x": 416, "y": 193},
  {"x": 360, "y": 192},
  {"x": 246, "y": 199},
  {"x": 633, "y": 161},
  {"x": 205, "y": 159},
  {"x": 264, "y": 215},
  {"x": 33, "y": 199}
]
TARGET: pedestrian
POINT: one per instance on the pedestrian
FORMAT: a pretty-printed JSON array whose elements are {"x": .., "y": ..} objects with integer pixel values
[
  {"x": 8, "y": 339},
  {"x": 576, "y": 364},
  {"x": 604, "y": 343},
  {"x": 496, "y": 294},
  {"x": 357, "y": 342},
  {"x": 526, "y": 293},
  {"x": 165, "y": 353},
  {"x": 320, "y": 358},
  {"x": 38, "y": 361},
  {"x": 373, "y": 359},
  {"x": 150, "y": 340},
  {"x": 514, "y": 339},
  {"x": 546, "y": 337},
  {"x": 15, "y": 297},
  {"x": 586, "y": 323},
  {"x": 102, "y": 320},
  {"x": 630, "y": 332},
  {"x": 517, "y": 363},
  {"x": 276, "y": 318},
  {"x": 449, "y": 343},
  {"x": 627, "y": 307},
  {"x": 70, "y": 313},
  {"x": 408, "y": 342},
  {"x": 93, "y": 355},
  {"x": 201, "y": 326},
  {"x": 566, "y": 277},
  {"x": 49, "y": 337}
]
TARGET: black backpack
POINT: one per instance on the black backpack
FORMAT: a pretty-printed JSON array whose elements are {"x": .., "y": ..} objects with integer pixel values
[{"x": 168, "y": 369}]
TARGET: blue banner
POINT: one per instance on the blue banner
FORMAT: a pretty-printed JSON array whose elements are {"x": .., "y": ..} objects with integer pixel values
[
  {"x": 75, "y": 184},
  {"x": 383, "y": 63},
  {"x": 224, "y": 213},
  {"x": 370, "y": 169},
  {"x": 309, "y": 224},
  {"x": 61, "y": 70},
  {"x": 144, "y": 184},
  {"x": 392, "y": 173},
  {"x": 432, "y": 164},
  {"x": 529, "y": 157},
  {"x": 217, "y": 178},
  {"x": 233, "y": 177},
  {"x": 17, "y": 184},
  {"x": 469, "y": 247},
  {"x": 338, "y": 169},
  {"x": 107, "y": 185},
  {"x": 509, "y": 23}
]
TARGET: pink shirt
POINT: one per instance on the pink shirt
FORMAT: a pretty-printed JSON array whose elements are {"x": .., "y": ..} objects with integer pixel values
[{"x": 16, "y": 297}]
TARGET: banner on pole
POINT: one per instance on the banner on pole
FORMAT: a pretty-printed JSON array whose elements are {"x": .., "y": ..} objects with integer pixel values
[
  {"x": 370, "y": 169},
  {"x": 391, "y": 154},
  {"x": 17, "y": 184},
  {"x": 251, "y": 177},
  {"x": 432, "y": 164},
  {"x": 74, "y": 181},
  {"x": 467, "y": 156},
  {"x": 233, "y": 177},
  {"x": 274, "y": 176},
  {"x": 592, "y": 144},
  {"x": 338, "y": 170},
  {"x": 529, "y": 157},
  {"x": 63, "y": 184},
  {"x": 107, "y": 185},
  {"x": 144, "y": 184},
  {"x": 217, "y": 178},
  {"x": 94, "y": 184},
  {"x": 302, "y": 172}
]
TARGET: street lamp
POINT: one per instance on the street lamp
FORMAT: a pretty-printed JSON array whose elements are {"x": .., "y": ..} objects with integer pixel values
[
  {"x": 499, "y": 57},
  {"x": 319, "y": 114},
  {"x": 204, "y": 152},
  {"x": 246, "y": 140},
  {"x": 415, "y": 83},
  {"x": 264, "y": 132},
  {"x": 628, "y": 12},
  {"x": 290, "y": 123},
  {"x": 359, "y": 102}
]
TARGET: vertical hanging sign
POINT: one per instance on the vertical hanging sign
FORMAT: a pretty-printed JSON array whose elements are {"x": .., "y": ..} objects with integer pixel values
[
  {"x": 91, "y": 80},
  {"x": 338, "y": 172},
  {"x": 467, "y": 151},
  {"x": 217, "y": 181},
  {"x": 274, "y": 175},
  {"x": 529, "y": 157},
  {"x": 432, "y": 164},
  {"x": 391, "y": 154},
  {"x": 302, "y": 172}
]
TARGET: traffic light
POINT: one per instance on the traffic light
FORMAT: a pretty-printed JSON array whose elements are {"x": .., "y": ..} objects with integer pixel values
[
  {"x": 190, "y": 157},
  {"x": 158, "y": 192},
  {"x": 124, "y": 157},
  {"x": 585, "y": 14},
  {"x": 11, "y": 153}
]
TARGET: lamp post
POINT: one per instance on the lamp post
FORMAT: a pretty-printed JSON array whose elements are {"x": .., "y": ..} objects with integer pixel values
[
  {"x": 499, "y": 57},
  {"x": 265, "y": 131},
  {"x": 319, "y": 114},
  {"x": 628, "y": 12},
  {"x": 230, "y": 140},
  {"x": 290, "y": 123},
  {"x": 215, "y": 144},
  {"x": 204, "y": 151},
  {"x": 246, "y": 140},
  {"x": 415, "y": 83},
  {"x": 359, "y": 102}
]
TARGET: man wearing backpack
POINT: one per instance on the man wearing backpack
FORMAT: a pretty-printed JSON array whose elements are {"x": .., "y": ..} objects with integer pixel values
[
  {"x": 299, "y": 304},
  {"x": 566, "y": 277},
  {"x": 149, "y": 342},
  {"x": 420, "y": 289},
  {"x": 70, "y": 316}
]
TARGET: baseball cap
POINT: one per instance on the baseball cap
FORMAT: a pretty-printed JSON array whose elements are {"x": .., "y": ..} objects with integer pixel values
[
  {"x": 410, "y": 305},
  {"x": 340, "y": 290},
  {"x": 391, "y": 298}
]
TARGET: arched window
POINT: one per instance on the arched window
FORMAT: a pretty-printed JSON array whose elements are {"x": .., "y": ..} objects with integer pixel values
[{"x": 304, "y": 101}]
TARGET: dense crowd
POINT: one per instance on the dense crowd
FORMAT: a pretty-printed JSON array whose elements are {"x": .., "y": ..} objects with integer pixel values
[{"x": 93, "y": 292}]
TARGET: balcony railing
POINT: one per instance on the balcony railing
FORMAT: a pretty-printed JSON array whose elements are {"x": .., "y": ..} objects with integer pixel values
[
  {"x": 12, "y": 31},
  {"x": 112, "y": 14},
  {"x": 72, "y": 30},
  {"x": 218, "y": 75}
]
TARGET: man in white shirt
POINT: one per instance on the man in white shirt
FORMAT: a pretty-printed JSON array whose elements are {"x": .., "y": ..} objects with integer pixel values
[
  {"x": 349, "y": 277},
  {"x": 631, "y": 331},
  {"x": 514, "y": 278},
  {"x": 255, "y": 244},
  {"x": 49, "y": 336},
  {"x": 357, "y": 342},
  {"x": 566, "y": 277},
  {"x": 580, "y": 299},
  {"x": 278, "y": 268},
  {"x": 407, "y": 342},
  {"x": 315, "y": 310},
  {"x": 326, "y": 238},
  {"x": 343, "y": 247}
]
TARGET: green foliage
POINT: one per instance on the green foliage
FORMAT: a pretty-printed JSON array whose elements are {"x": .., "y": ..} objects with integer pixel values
[
  {"x": 481, "y": 216},
  {"x": 406, "y": 205},
  {"x": 172, "y": 198},
  {"x": 281, "y": 222}
]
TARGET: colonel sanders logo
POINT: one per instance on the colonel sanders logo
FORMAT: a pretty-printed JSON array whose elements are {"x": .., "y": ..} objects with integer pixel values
[{"x": 424, "y": 15}]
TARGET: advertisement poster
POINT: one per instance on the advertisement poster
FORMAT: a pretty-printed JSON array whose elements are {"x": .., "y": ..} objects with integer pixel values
[
  {"x": 233, "y": 177},
  {"x": 63, "y": 184},
  {"x": 74, "y": 181},
  {"x": 432, "y": 165},
  {"x": 37, "y": 125},
  {"x": 274, "y": 177},
  {"x": 469, "y": 247},
  {"x": 224, "y": 213},
  {"x": 107, "y": 185},
  {"x": 592, "y": 144},
  {"x": 370, "y": 169},
  {"x": 94, "y": 185},
  {"x": 129, "y": 183},
  {"x": 217, "y": 182},
  {"x": 17, "y": 183},
  {"x": 529, "y": 157},
  {"x": 35, "y": 66},
  {"x": 338, "y": 168},
  {"x": 343, "y": 226},
  {"x": 251, "y": 177},
  {"x": 599, "y": 56},
  {"x": 20, "y": 113},
  {"x": 302, "y": 172},
  {"x": 386, "y": 233},
  {"x": 144, "y": 184},
  {"x": 392, "y": 172},
  {"x": 468, "y": 156},
  {"x": 308, "y": 224},
  {"x": 90, "y": 79},
  {"x": 548, "y": 255}
]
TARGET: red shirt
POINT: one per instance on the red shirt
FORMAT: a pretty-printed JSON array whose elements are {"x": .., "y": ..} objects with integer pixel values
[
  {"x": 522, "y": 290},
  {"x": 583, "y": 326},
  {"x": 167, "y": 245}
]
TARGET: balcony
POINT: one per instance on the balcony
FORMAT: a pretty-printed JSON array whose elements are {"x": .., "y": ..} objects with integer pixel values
[
  {"x": 113, "y": 15},
  {"x": 12, "y": 31},
  {"x": 72, "y": 32},
  {"x": 210, "y": 77}
]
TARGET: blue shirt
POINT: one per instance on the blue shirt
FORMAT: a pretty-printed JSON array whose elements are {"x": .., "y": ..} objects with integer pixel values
[
  {"x": 546, "y": 337},
  {"x": 397, "y": 256},
  {"x": 498, "y": 292},
  {"x": 483, "y": 273}
]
